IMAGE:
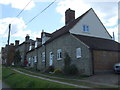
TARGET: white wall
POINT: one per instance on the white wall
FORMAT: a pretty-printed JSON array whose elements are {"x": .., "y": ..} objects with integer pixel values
[
  {"x": 44, "y": 39},
  {"x": 96, "y": 29}
]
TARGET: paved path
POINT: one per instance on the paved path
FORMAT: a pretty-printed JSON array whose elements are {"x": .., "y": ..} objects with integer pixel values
[
  {"x": 4, "y": 86},
  {"x": 96, "y": 79},
  {"x": 65, "y": 83}
]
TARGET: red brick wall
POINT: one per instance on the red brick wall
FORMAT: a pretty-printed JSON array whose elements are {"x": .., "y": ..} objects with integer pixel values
[{"x": 104, "y": 60}]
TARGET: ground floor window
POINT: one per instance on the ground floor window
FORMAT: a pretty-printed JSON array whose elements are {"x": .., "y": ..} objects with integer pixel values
[
  {"x": 78, "y": 52},
  {"x": 35, "y": 59},
  {"x": 43, "y": 57},
  {"x": 59, "y": 54}
]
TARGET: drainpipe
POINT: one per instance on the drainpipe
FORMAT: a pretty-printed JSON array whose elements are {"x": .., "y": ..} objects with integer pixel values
[
  {"x": 37, "y": 58},
  {"x": 92, "y": 59},
  {"x": 45, "y": 56}
]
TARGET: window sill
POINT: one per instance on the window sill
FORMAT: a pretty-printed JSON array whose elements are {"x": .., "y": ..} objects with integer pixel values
[
  {"x": 59, "y": 59},
  {"x": 78, "y": 57},
  {"x": 43, "y": 61},
  {"x": 85, "y": 32}
]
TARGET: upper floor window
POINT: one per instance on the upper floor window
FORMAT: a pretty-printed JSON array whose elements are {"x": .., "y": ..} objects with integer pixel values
[
  {"x": 85, "y": 28},
  {"x": 43, "y": 57},
  {"x": 30, "y": 47},
  {"x": 59, "y": 54},
  {"x": 36, "y": 44},
  {"x": 78, "y": 52}
]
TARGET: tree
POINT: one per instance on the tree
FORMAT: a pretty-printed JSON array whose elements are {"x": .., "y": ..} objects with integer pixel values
[
  {"x": 17, "y": 58},
  {"x": 69, "y": 68}
]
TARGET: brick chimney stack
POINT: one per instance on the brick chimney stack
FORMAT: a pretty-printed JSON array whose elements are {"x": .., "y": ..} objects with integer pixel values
[
  {"x": 27, "y": 37},
  {"x": 69, "y": 16},
  {"x": 16, "y": 42},
  {"x": 12, "y": 44}
]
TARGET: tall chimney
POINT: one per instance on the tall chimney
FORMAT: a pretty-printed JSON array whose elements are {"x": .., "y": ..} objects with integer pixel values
[
  {"x": 69, "y": 16},
  {"x": 12, "y": 44},
  {"x": 16, "y": 42},
  {"x": 27, "y": 37},
  {"x": 113, "y": 36}
]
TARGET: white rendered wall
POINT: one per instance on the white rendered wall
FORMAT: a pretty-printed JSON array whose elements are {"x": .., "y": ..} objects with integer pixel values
[{"x": 96, "y": 29}]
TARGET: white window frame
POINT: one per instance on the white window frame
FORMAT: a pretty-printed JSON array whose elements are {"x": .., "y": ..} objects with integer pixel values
[
  {"x": 36, "y": 43},
  {"x": 30, "y": 47},
  {"x": 29, "y": 60},
  {"x": 51, "y": 57},
  {"x": 59, "y": 54},
  {"x": 35, "y": 59},
  {"x": 78, "y": 52},
  {"x": 85, "y": 28},
  {"x": 43, "y": 56}
]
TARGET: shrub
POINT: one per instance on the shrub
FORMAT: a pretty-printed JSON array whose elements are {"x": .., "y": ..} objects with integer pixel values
[
  {"x": 50, "y": 69},
  {"x": 68, "y": 68},
  {"x": 71, "y": 70},
  {"x": 67, "y": 60},
  {"x": 57, "y": 71}
]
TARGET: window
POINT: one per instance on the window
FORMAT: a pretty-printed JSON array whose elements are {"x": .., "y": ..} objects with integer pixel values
[
  {"x": 30, "y": 47},
  {"x": 78, "y": 52},
  {"x": 29, "y": 61},
  {"x": 43, "y": 57},
  {"x": 85, "y": 28},
  {"x": 36, "y": 44},
  {"x": 35, "y": 59},
  {"x": 59, "y": 54},
  {"x": 51, "y": 59}
]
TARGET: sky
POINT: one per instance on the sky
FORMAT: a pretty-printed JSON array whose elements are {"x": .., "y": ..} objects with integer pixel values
[{"x": 52, "y": 18}]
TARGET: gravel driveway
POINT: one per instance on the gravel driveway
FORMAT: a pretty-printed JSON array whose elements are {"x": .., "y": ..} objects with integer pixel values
[{"x": 107, "y": 78}]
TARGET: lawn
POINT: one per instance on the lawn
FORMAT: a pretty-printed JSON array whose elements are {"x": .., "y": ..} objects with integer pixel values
[
  {"x": 17, "y": 80},
  {"x": 64, "y": 78}
]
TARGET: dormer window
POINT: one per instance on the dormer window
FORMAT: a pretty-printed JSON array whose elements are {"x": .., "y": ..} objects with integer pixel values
[
  {"x": 36, "y": 44},
  {"x": 85, "y": 28},
  {"x": 30, "y": 47}
]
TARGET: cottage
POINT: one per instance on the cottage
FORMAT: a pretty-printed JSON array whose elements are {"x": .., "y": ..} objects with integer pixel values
[
  {"x": 24, "y": 48},
  {"x": 86, "y": 41}
]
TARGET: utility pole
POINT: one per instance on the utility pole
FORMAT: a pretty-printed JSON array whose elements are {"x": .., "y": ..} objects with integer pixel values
[
  {"x": 9, "y": 34},
  {"x": 8, "y": 47}
]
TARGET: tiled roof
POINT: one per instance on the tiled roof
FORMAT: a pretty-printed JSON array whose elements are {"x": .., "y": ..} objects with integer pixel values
[
  {"x": 39, "y": 39},
  {"x": 99, "y": 43},
  {"x": 30, "y": 40},
  {"x": 65, "y": 29},
  {"x": 46, "y": 34}
]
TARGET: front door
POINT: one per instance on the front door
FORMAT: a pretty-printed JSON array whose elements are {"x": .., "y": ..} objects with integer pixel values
[{"x": 51, "y": 59}]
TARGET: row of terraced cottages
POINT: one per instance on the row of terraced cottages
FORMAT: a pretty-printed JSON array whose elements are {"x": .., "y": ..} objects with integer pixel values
[{"x": 86, "y": 41}]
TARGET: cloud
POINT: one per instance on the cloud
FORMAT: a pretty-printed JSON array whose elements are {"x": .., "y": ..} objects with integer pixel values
[
  {"x": 18, "y": 27},
  {"x": 115, "y": 30},
  {"x": 76, "y": 5},
  {"x": 19, "y": 4},
  {"x": 106, "y": 11},
  {"x": 36, "y": 34}
]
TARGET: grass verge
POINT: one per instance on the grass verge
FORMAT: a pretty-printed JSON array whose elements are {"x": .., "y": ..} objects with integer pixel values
[
  {"x": 64, "y": 79},
  {"x": 17, "y": 80}
]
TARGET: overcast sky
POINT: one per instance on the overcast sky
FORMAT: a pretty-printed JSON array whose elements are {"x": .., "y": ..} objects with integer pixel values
[{"x": 52, "y": 18}]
